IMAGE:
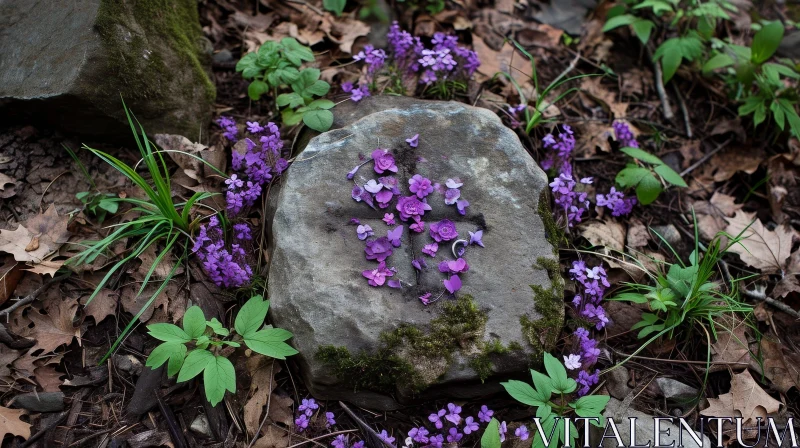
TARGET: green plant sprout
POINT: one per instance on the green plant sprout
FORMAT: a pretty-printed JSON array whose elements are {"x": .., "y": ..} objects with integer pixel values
[
  {"x": 693, "y": 20},
  {"x": 684, "y": 298},
  {"x": 94, "y": 202},
  {"x": 208, "y": 338},
  {"x": 758, "y": 83},
  {"x": 161, "y": 221},
  {"x": 550, "y": 396},
  {"x": 275, "y": 66},
  {"x": 648, "y": 187},
  {"x": 541, "y": 102}
]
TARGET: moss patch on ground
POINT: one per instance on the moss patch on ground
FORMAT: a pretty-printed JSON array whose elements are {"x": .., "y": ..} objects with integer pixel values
[
  {"x": 460, "y": 326},
  {"x": 542, "y": 334}
]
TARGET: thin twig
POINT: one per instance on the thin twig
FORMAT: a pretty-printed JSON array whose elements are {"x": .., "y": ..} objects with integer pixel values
[
  {"x": 347, "y": 431},
  {"x": 684, "y": 111},
  {"x": 682, "y": 361},
  {"x": 706, "y": 157},
  {"x": 32, "y": 296},
  {"x": 760, "y": 295},
  {"x": 660, "y": 86}
]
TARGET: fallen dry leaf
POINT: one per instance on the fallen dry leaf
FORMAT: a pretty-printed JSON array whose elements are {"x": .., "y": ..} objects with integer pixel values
[
  {"x": 602, "y": 94},
  {"x": 103, "y": 305},
  {"x": 766, "y": 250},
  {"x": 10, "y": 273},
  {"x": 39, "y": 237},
  {"x": 592, "y": 135},
  {"x": 10, "y": 423},
  {"x": 711, "y": 214},
  {"x": 55, "y": 328},
  {"x": 345, "y": 31},
  {"x": 6, "y": 191},
  {"x": 46, "y": 267},
  {"x": 507, "y": 60},
  {"x": 609, "y": 234},
  {"x": 48, "y": 378},
  {"x": 728, "y": 161},
  {"x": 638, "y": 235},
  {"x": 273, "y": 437},
  {"x": 746, "y": 399},
  {"x": 781, "y": 364},
  {"x": 731, "y": 345},
  {"x": 262, "y": 374}
]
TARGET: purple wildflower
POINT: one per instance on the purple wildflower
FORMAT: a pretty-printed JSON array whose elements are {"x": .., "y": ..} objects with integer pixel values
[
  {"x": 379, "y": 249},
  {"x": 454, "y": 436},
  {"x": 394, "y": 235},
  {"x": 377, "y": 276},
  {"x": 451, "y": 196},
  {"x": 340, "y": 441},
  {"x": 413, "y": 141},
  {"x": 384, "y": 161},
  {"x": 470, "y": 425},
  {"x": 586, "y": 381},
  {"x": 360, "y": 93},
  {"x": 301, "y": 422},
  {"x": 229, "y": 126},
  {"x": 476, "y": 238},
  {"x": 425, "y": 298},
  {"x": 462, "y": 205},
  {"x": 444, "y": 230},
  {"x": 359, "y": 444},
  {"x": 616, "y": 202},
  {"x": 503, "y": 429},
  {"x": 388, "y": 218},
  {"x": 522, "y": 432},
  {"x": 307, "y": 405},
  {"x": 436, "y": 418},
  {"x": 420, "y": 185},
  {"x": 384, "y": 436},
  {"x": 436, "y": 441},
  {"x": 409, "y": 206},
  {"x": 454, "y": 266},
  {"x": 418, "y": 225},
  {"x": 330, "y": 419},
  {"x": 419, "y": 435},
  {"x": 419, "y": 263},
  {"x": 559, "y": 150},
  {"x": 624, "y": 135},
  {"x": 373, "y": 186},
  {"x": 364, "y": 231},
  {"x": 374, "y": 58},
  {"x": 452, "y": 284},
  {"x": 485, "y": 414},
  {"x": 384, "y": 197},
  {"x": 430, "y": 249}
]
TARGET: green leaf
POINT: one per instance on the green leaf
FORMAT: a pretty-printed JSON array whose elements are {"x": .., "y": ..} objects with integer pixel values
[
  {"x": 523, "y": 392},
  {"x": 334, "y": 6},
  {"x": 290, "y": 117},
  {"x": 648, "y": 189},
  {"x": 256, "y": 89},
  {"x": 543, "y": 385},
  {"x": 163, "y": 352},
  {"x": 168, "y": 333},
  {"x": 618, "y": 21},
  {"x": 669, "y": 175},
  {"x": 219, "y": 376},
  {"x": 633, "y": 297},
  {"x": 296, "y": 52},
  {"x": 319, "y": 88},
  {"x": 176, "y": 361},
  {"x": 642, "y": 155},
  {"x": 718, "y": 61},
  {"x": 491, "y": 436},
  {"x": 248, "y": 65},
  {"x": 291, "y": 99},
  {"x": 194, "y": 322},
  {"x": 643, "y": 28},
  {"x": 217, "y": 327},
  {"x": 269, "y": 342},
  {"x": 251, "y": 316},
  {"x": 558, "y": 375},
  {"x": 658, "y": 6},
  {"x": 109, "y": 205},
  {"x": 318, "y": 120},
  {"x": 321, "y": 104},
  {"x": 631, "y": 176},
  {"x": 590, "y": 405},
  {"x": 195, "y": 362},
  {"x": 766, "y": 41}
]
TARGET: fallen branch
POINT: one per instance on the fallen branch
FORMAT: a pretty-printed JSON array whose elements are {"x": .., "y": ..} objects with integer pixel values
[
  {"x": 759, "y": 294},
  {"x": 684, "y": 111},
  {"x": 662, "y": 94},
  {"x": 705, "y": 157},
  {"x": 32, "y": 296}
]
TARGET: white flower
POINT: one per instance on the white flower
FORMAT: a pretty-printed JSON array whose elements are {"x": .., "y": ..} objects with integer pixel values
[{"x": 572, "y": 362}]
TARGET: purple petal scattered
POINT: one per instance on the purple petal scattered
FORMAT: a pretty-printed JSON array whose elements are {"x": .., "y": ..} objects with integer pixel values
[
  {"x": 476, "y": 238},
  {"x": 413, "y": 141},
  {"x": 452, "y": 284}
]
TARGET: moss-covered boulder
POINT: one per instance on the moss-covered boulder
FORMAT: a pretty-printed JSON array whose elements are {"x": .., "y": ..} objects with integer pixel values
[
  {"x": 71, "y": 63},
  {"x": 378, "y": 346}
]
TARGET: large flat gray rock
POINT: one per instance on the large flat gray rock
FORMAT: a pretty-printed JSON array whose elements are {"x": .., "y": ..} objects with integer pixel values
[
  {"x": 69, "y": 63},
  {"x": 317, "y": 290}
]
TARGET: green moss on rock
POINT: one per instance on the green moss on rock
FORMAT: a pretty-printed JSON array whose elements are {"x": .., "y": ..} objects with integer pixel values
[
  {"x": 482, "y": 363},
  {"x": 460, "y": 326},
  {"x": 554, "y": 235},
  {"x": 542, "y": 334}
]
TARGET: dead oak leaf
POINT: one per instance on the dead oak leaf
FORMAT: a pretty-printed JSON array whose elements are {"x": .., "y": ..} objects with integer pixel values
[
  {"x": 262, "y": 374},
  {"x": 593, "y": 135},
  {"x": 781, "y": 365},
  {"x": 746, "y": 399},
  {"x": 39, "y": 237},
  {"x": 103, "y": 305},
  {"x": 273, "y": 437},
  {"x": 726, "y": 163},
  {"x": 10, "y": 423},
  {"x": 601, "y": 94},
  {"x": 711, "y": 214},
  {"x": 345, "y": 31},
  {"x": 55, "y": 328},
  {"x": 766, "y": 250},
  {"x": 731, "y": 345},
  {"x": 507, "y": 60},
  {"x": 609, "y": 234}
]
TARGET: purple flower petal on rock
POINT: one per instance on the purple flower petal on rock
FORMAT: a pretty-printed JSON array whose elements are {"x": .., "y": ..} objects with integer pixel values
[
  {"x": 476, "y": 238},
  {"x": 453, "y": 183},
  {"x": 373, "y": 186},
  {"x": 453, "y": 284},
  {"x": 413, "y": 141},
  {"x": 394, "y": 235}
]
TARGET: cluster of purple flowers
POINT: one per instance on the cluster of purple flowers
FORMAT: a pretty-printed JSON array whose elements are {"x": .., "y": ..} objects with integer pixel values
[
  {"x": 616, "y": 202},
  {"x": 343, "y": 441},
  {"x": 516, "y": 115},
  {"x": 574, "y": 203},
  {"x": 226, "y": 267},
  {"x": 559, "y": 150},
  {"x": 410, "y": 209},
  {"x": 624, "y": 135},
  {"x": 592, "y": 282},
  {"x": 443, "y": 60},
  {"x": 448, "y": 427},
  {"x": 306, "y": 411}
]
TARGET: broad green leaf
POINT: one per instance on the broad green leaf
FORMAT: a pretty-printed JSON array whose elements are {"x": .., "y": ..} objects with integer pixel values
[
  {"x": 291, "y": 99},
  {"x": 168, "y": 333},
  {"x": 558, "y": 374},
  {"x": 718, "y": 61},
  {"x": 618, "y": 21},
  {"x": 109, "y": 205},
  {"x": 251, "y": 316},
  {"x": 766, "y": 41},
  {"x": 590, "y": 405},
  {"x": 248, "y": 66},
  {"x": 217, "y": 327},
  {"x": 658, "y": 6},
  {"x": 296, "y": 52},
  {"x": 334, "y": 6},
  {"x": 523, "y": 392},
  {"x": 176, "y": 361},
  {"x": 290, "y": 117},
  {"x": 546, "y": 434},
  {"x": 256, "y": 89},
  {"x": 670, "y": 61},
  {"x": 162, "y": 353},
  {"x": 195, "y": 362},
  {"x": 669, "y": 175},
  {"x": 794, "y": 120},
  {"x": 633, "y": 297},
  {"x": 643, "y": 28},
  {"x": 491, "y": 436},
  {"x": 648, "y": 189},
  {"x": 631, "y": 176},
  {"x": 543, "y": 385},
  {"x": 319, "y": 88},
  {"x": 219, "y": 376},
  {"x": 269, "y": 342},
  {"x": 640, "y": 154},
  {"x": 760, "y": 115},
  {"x": 232, "y": 343},
  {"x": 194, "y": 322},
  {"x": 318, "y": 119},
  {"x": 777, "y": 69},
  {"x": 321, "y": 104}
]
